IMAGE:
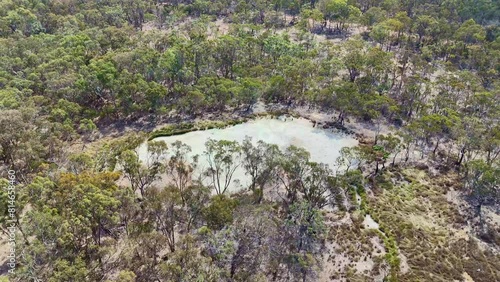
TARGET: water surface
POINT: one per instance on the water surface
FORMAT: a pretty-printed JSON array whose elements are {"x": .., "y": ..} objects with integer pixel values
[{"x": 323, "y": 144}]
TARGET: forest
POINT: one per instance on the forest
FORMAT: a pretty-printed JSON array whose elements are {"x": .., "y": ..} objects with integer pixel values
[{"x": 84, "y": 83}]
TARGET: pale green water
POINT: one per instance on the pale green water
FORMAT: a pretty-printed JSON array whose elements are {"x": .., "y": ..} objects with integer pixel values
[{"x": 323, "y": 144}]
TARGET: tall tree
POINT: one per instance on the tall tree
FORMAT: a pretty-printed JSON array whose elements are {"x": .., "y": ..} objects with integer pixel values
[
  {"x": 142, "y": 175},
  {"x": 223, "y": 160},
  {"x": 180, "y": 168}
]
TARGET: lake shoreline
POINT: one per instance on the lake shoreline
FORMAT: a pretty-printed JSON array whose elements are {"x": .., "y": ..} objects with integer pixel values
[
  {"x": 175, "y": 125},
  {"x": 185, "y": 127},
  {"x": 322, "y": 145}
]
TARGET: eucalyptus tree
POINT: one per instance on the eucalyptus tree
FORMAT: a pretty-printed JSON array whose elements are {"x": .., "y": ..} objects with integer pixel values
[
  {"x": 218, "y": 214},
  {"x": 260, "y": 163},
  {"x": 426, "y": 27},
  {"x": 303, "y": 233},
  {"x": 467, "y": 134},
  {"x": 187, "y": 263},
  {"x": 349, "y": 157},
  {"x": 372, "y": 16},
  {"x": 142, "y": 175},
  {"x": 339, "y": 11},
  {"x": 414, "y": 97},
  {"x": 26, "y": 139},
  {"x": 241, "y": 250},
  {"x": 435, "y": 126},
  {"x": 354, "y": 58},
  {"x": 481, "y": 182},
  {"x": 348, "y": 101},
  {"x": 392, "y": 145},
  {"x": 180, "y": 168},
  {"x": 166, "y": 214},
  {"x": 303, "y": 179},
  {"x": 223, "y": 159},
  {"x": 71, "y": 218}
]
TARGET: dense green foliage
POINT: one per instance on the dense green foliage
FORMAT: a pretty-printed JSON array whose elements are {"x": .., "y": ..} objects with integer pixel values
[{"x": 71, "y": 70}]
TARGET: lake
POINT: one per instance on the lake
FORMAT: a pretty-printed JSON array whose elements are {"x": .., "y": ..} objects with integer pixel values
[{"x": 323, "y": 144}]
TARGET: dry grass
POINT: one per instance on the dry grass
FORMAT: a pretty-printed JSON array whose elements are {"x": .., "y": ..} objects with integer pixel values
[
  {"x": 415, "y": 211},
  {"x": 353, "y": 253}
]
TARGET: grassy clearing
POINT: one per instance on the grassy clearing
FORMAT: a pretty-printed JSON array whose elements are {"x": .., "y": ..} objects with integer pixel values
[
  {"x": 392, "y": 254},
  {"x": 418, "y": 220},
  {"x": 360, "y": 249}
]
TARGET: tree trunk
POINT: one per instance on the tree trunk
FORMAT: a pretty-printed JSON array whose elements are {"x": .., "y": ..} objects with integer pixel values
[
  {"x": 461, "y": 157},
  {"x": 407, "y": 154},
  {"x": 234, "y": 263},
  {"x": 435, "y": 147},
  {"x": 394, "y": 159}
]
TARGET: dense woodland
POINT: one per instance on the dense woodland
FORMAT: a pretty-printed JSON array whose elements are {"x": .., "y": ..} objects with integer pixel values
[{"x": 70, "y": 71}]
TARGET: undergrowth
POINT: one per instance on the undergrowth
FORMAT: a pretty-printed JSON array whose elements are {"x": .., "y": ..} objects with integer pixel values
[{"x": 419, "y": 222}]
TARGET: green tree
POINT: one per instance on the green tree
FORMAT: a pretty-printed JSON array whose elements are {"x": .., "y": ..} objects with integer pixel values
[
  {"x": 254, "y": 161},
  {"x": 338, "y": 11},
  {"x": 69, "y": 271},
  {"x": 425, "y": 26},
  {"x": 470, "y": 32},
  {"x": 164, "y": 207},
  {"x": 391, "y": 144},
  {"x": 87, "y": 128},
  {"x": 348, "y": 101},
  {"x": 180, "y": 168},
  {"x": 303, "y": 229},
  {"x": 25, "y": 137},
  {"x": 69, "y": 220},
  {"x": 481, "y": 182},
  {"x": 187, "y": 264},
  {"x": 379, "y": 155},
  {"x": 249, "y": 92},
  {"x": 354, "y": 58},
  {"x": 142, "y": 175},
  {"x": 373, "y": 16},
  {"x": 219, "y": 212},
  {"x": 303, "y": 179},
  {"x": 223, "y": 160},
  {"x": 436, "y": 126},
  {"x": 349, "y": 157}
]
